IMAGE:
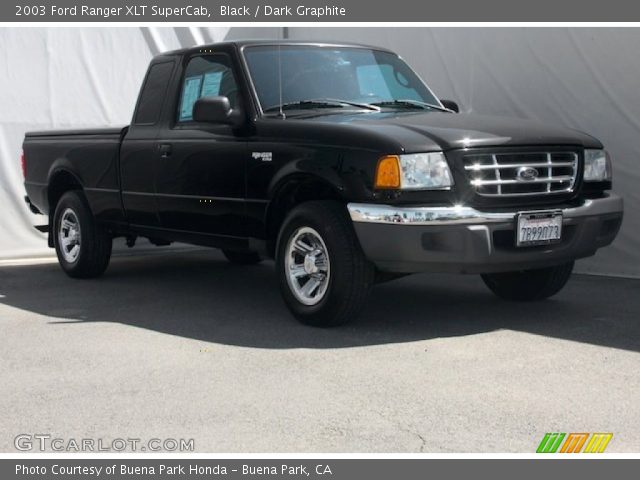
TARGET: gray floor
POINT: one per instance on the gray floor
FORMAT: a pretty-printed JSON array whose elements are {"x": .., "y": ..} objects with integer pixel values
[{"x": 185, "y": 345}]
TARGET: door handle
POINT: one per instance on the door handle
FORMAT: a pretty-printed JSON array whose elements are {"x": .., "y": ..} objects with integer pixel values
[{"x": 165, "y": 150}]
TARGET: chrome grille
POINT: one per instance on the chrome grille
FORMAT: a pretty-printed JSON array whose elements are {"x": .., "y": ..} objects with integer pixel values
[{"x": 522, "y": 173}]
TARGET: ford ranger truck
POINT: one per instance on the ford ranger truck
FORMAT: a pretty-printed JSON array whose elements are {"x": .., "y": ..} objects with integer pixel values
[{"x": 338, "y": 162}]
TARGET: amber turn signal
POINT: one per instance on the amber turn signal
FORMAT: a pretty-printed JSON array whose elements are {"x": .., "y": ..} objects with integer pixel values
[{"x": 388, "y": 172}]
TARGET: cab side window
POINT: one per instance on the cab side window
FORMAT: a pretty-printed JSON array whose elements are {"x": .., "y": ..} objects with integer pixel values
[{"x": 206, "y": 76}]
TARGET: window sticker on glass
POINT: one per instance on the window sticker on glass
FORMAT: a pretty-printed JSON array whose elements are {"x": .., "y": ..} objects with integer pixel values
[
  {"x": 211, "y": 85},
  {"x": 190, "y": 93}
]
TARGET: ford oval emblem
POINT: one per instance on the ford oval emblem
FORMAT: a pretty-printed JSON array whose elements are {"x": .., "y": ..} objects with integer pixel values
[{"x": 527, "y": 174}]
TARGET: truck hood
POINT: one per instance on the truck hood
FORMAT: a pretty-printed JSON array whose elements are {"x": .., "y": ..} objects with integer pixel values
[{"x": 424, "y": 131}]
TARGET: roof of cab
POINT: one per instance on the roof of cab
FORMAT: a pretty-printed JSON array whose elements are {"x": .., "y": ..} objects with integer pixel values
[{"x": 247, "y": 43}]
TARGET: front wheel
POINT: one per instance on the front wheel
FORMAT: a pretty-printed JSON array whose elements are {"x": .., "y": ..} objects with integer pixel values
[
  {"x": 324, "y": 276},
  {"x": 529, "y": 285},
  {"x": 83, "y": 247}
]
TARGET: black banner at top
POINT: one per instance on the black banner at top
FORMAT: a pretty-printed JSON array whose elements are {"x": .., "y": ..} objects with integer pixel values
[{"x": 282, "y": 11}]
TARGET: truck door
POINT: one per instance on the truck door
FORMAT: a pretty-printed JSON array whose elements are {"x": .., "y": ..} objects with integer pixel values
[
  {"x": 138, "y": 154},
  {"x": 200, "y": 183}
]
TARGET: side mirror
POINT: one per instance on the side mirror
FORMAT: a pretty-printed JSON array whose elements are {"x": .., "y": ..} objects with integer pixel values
[
  {"x": 451, "y": 105},
  {"x": 216, "y": 110}
]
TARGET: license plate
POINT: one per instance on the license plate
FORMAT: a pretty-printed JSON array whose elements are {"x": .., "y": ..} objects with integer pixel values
[{"x": 538, "y": 228}]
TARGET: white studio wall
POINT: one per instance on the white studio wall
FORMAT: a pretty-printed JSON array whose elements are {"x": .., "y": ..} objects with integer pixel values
[{"x": 584, "y": 78}]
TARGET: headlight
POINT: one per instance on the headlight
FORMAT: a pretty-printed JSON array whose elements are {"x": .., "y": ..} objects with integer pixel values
[
  {"x": 597, "y": 166},
  {"x": 417, "y": 171}
]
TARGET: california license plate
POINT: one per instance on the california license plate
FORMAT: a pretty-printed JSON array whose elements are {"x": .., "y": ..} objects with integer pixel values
[{"x": 539, "y": 228}]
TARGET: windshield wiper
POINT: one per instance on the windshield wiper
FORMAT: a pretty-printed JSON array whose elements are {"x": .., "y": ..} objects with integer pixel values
[
  {"x": 410, "y": 104},
  {"x": 367, "y": 106},
  {"x": 320, "y": 103}
]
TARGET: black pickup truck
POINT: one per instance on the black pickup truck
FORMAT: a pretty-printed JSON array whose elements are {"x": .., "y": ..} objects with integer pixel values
[{"x": 335, "y": 160}]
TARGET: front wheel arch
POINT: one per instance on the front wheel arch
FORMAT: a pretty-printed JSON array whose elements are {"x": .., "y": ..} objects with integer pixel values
[{"x": 291, "y": 192}]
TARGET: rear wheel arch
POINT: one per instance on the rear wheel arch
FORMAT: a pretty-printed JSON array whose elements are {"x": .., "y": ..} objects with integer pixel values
[{"x": 60, "y": 182}]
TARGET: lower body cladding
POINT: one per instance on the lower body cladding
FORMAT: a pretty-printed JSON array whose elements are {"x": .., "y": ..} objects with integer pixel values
[{"x": 465, "y": 240}]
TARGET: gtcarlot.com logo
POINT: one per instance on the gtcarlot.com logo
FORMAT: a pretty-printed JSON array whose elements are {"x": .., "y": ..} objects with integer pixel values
[
  {"x": 47, "y": 443},
  {"x": 574, "y": 443}
]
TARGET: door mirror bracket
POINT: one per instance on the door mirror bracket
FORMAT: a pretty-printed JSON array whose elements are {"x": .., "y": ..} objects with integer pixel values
[{"x": 451, "y": 105}]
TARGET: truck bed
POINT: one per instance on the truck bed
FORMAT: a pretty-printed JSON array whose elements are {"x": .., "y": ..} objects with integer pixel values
[{"x": 91, "y": 155}]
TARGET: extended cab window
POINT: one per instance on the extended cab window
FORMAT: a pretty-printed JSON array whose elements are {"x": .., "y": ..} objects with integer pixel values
[
  {"x": 206, "y": 76},
  {"x": 153, "y": 93}
]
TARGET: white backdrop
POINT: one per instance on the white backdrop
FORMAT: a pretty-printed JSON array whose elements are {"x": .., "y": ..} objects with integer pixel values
[{"x": 581, "y": 78}]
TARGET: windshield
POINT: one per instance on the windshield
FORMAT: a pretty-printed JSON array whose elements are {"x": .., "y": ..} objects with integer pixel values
[{"x": 348, "y": 74}]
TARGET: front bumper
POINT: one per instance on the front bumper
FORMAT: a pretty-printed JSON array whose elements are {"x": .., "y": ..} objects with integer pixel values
[{"x": 465, "y": 240}]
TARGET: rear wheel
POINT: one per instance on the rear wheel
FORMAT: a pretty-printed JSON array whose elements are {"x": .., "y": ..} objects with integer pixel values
[
  {"x": 242, "y": 258},
  {"x": 83, "y": 247},
  {"x": 324, "y": 276},
  {"x": 529, "y": 285}
]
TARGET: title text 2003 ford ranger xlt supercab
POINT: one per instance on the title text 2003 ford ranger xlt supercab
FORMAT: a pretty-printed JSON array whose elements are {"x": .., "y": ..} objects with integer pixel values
[{"x": 337, "y": 161}]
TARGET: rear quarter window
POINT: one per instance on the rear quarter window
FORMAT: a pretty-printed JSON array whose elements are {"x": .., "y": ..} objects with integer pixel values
[{"x": 153, "y": 93}]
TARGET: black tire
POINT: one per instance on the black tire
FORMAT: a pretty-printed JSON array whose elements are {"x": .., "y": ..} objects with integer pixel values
[
  {"x": 351, "y": 274},
  {"x": 529, "y": 285},
  {"x": 94, "y": 248},
  {"x": 242, "y": 258}
]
